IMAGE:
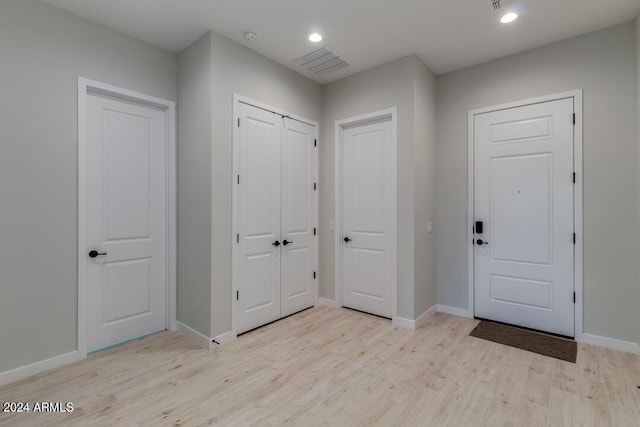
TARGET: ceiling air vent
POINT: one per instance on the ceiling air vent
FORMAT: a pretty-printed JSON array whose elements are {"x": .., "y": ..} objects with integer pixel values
[{"x": 322, "y": 61}]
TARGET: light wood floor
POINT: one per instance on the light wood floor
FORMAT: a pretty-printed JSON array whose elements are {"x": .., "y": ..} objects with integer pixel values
[{"x": 341, "y": 368}]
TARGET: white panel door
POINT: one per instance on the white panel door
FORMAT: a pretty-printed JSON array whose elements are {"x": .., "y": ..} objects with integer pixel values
[
  {"x": 298, "y": 217},
  {"x": 367, "y": 218},
  {"x": 259, "y": 205},
  {"x": 126, "y": 220},
  {"x": 524, "y": 196}
]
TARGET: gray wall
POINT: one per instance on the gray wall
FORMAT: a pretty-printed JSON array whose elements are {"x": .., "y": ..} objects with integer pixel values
[
  {"x": 43, "y": 51},
  {"x": 237, "y": 69},
  {"x": 395, "y": 84},
  {"x": 637, "y": 28},
  {"x": 194, "y": 185},
  {"x": 604, "y": 65},
  {"x": 424, "y": 189}
]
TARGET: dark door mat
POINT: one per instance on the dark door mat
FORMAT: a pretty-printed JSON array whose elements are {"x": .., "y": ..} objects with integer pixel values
[{"x": 536, "y": 342}]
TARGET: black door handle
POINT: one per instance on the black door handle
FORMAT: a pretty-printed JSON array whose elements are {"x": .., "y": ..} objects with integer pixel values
[
  {"x": 93, "y": 254},
  {"x": 286, "y": 242},
  {"x": 347, "y": 240},
  {"x": 481, "y": 242},
  {"x": 276, "y": 243}
]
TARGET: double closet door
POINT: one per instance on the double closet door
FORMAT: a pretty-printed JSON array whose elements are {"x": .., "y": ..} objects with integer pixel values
[{"x": 275, "y": 216}]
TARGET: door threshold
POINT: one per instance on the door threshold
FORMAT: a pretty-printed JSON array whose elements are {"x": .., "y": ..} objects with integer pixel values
[
  {"x": 365, "y": 312},
  {"x": 274, "y": 321},
  {"x": 137, "y": 337}
]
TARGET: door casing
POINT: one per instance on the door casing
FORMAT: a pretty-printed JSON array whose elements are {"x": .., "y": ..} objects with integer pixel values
[
  {"x": 237, "y": 99},
  {"x": 392, "y": 114},
  {"x": 577, "y": 198},
  {"x": 85, "y": 86}
]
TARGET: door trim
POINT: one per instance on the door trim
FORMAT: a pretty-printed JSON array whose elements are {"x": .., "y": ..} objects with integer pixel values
[
  {"x": 577, "y": 198},
  {"x": 86, "y": 86},
  {"x": 235, "y": 209},
  {"x": 340, "y": 125}
]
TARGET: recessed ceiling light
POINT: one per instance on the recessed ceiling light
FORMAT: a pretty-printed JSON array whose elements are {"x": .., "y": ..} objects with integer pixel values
[
  {"x": 315, "y": 37},
  {"x": 509, "y": 17},
  {"x": 250, "y": 36}
]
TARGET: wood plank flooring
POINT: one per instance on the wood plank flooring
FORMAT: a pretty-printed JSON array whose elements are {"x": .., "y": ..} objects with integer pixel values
[{"x": 337, "y": 367}]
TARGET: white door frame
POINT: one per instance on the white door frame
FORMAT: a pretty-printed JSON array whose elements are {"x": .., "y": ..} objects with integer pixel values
[
  {"x": 235, "y": 254},
  {"x": 340, "y": 125},
  {"x": 86, "y": 86},
  {"x": 577, "y": 197}
]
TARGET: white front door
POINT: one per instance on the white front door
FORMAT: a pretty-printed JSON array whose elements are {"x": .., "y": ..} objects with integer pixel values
[
  {"x": 524, "y": 193},
  {"x": 367, "y": 217},
  {"x": 298, "y": 217},
  {"x": 126, "y": 220},
  {"x": 259, "y": 206}
]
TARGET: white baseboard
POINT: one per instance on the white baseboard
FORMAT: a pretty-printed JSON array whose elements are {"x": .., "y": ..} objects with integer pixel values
[
  {"x": 225, "y": 338},
  {"x": 328, "y": 302},
  {"x": 38, "y": 367},
  {"x": 195, "y": 336},
  {"x": 462, "y": 312},
  {"x": 424, "y": 317},
  {"x": 612, "y": 343},
  {"x": 401, "y": 322}
]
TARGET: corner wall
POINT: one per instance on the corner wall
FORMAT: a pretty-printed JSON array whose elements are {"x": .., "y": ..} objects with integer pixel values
[
  {"x": 194, "y": 185},
  {"x": 424, "y": 190},
  {"x": 603, "y": 64}
]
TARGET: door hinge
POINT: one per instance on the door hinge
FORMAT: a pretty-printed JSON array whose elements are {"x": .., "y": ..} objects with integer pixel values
[
  {"x": 315, "y": 142},
  {"x": 574, "y": 238},
  {"x": 237, "y": 295},
  {"x": 574, "y": 118},
  {"x": 314, "y": 274},
  {"x": 238, "y": 121},
  {"x": 238, "y": 179},
  {"x": 314, "y": 231},
  {"x": 315, "y": 186},
  {"x": 574, "y": 297},
  {"x": 574, "y": 177},
  {"x": 238, "y": 238}
]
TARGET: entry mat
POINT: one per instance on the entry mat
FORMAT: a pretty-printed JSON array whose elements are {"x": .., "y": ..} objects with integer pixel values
[{"x": 536, "y": 342}]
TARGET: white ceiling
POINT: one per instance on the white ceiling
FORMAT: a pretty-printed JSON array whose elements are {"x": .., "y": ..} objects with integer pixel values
[{"x": 446, "y": 34}]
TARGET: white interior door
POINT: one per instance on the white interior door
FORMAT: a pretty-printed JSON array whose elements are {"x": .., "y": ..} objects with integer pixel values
[
  {"x": 367, "y": 217},
  {"x": 126, "y": 220},
  {"x": 259, "y": 208},
  {"x": 298, "y": 217},
  {"x": 524, "y": 196}
]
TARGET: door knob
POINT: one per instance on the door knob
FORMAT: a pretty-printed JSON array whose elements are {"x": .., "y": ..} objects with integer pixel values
[
  {"x": 286, "y": 242},
  {"x": 347, "y": 240},
  {"x": 93, "y": 254},
  {"x": 481, "y": 242},
  {"x": 276, "y": 243}
]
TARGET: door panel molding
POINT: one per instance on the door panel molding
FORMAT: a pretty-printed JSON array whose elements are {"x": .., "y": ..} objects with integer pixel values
[
  {"x": 86, "y": 86},
  {"x": 340, "y": 125},
  {"x": 576, "y": 95}
]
